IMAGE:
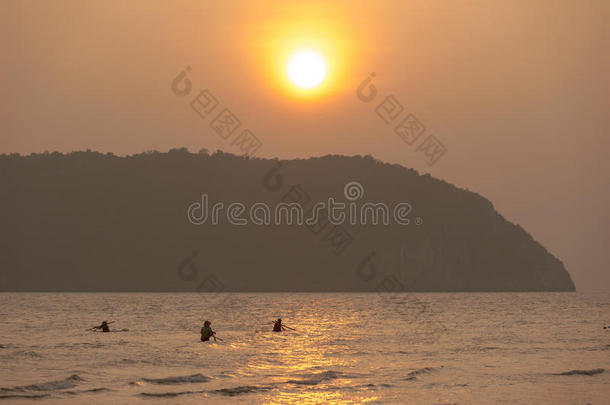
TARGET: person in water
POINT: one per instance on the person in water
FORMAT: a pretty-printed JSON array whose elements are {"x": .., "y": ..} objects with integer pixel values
[
  {"x": 277, "y": 325},
  {"x": 207, "y": 332},
  {"x": 104, "y": 327}
]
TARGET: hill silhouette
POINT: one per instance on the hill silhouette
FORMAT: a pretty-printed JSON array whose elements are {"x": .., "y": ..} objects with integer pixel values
[{"x": 87, "y": 221}]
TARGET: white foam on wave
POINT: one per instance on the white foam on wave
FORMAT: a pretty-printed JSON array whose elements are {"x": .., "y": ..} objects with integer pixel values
[
  {"x": 169, "y": 394},
  {"x": 195, "y": 378},
  {"x": 69, "y": 382},
  {"x": 317, "y": 378},
  {"x": 412, "y": 375}
]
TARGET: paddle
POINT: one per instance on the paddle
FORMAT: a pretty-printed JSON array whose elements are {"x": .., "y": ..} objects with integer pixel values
[{"x": 96, "y": 327}]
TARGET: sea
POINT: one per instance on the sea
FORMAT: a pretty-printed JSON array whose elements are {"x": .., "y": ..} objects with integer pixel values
[{"x": 429, "y": 348}]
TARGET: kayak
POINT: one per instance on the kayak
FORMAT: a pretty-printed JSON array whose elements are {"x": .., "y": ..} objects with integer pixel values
[{"x": 113, "y": 330}]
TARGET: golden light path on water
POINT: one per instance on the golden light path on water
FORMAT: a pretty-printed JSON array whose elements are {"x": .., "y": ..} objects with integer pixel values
[
  {"x": 300, "y": 358},
  {"x": 317, "y": 398},
  {"x": 305, "y": 359}
]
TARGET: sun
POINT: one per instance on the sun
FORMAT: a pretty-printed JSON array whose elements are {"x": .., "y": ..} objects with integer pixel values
[
  {"x": 306, "y": 69},
  {"x": 310, "y": 60}
]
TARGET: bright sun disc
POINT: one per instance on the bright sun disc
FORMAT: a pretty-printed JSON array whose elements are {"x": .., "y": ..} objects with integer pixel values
[{"x": 306, "y": 69}]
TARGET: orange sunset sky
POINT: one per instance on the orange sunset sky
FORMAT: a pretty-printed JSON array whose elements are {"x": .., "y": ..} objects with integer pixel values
[{"x": 517, "y": 91}]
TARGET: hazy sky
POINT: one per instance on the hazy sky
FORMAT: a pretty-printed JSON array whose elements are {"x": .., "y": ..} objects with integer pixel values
[{"x": 517, "y": 91}]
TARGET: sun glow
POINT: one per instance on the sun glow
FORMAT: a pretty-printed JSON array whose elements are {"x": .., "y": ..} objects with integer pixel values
[
  {"x": 306, "y": 58},
  {"x": 306, "y": 69}
]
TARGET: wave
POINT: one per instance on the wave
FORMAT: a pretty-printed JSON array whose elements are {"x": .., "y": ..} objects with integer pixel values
[
  {"x": 169, "y": 394},
  {"x": 246, "y": 389},
  {"x": 93, "y": 390},
  {"x": 195, "y": 378},
  {"x": 69, "y": 382},
  {"x": 26, "y": 396},
  {"x": 412, "y": 375},
  {"x": 317, "y": 378},
  {"x": 305, "y": 379},
  {"x": 77, "y": 345},
  {"x": 101, "y": 389},
  {"x": 25, "y": 353},
  {"x": 582, "y": 372},
  {"x": 231, "y": 392}
]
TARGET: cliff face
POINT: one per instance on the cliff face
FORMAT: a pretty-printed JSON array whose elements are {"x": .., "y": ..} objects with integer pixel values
[{"x": 92, "y": 222}]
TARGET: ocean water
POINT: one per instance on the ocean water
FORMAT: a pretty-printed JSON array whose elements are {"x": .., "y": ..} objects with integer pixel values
[{"x": 502, "y": 348}]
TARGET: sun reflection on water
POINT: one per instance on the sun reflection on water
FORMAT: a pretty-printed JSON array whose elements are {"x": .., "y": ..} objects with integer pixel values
[
  {"x": 310, "y": 398},
  {"x": 307, "y": 366}
]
